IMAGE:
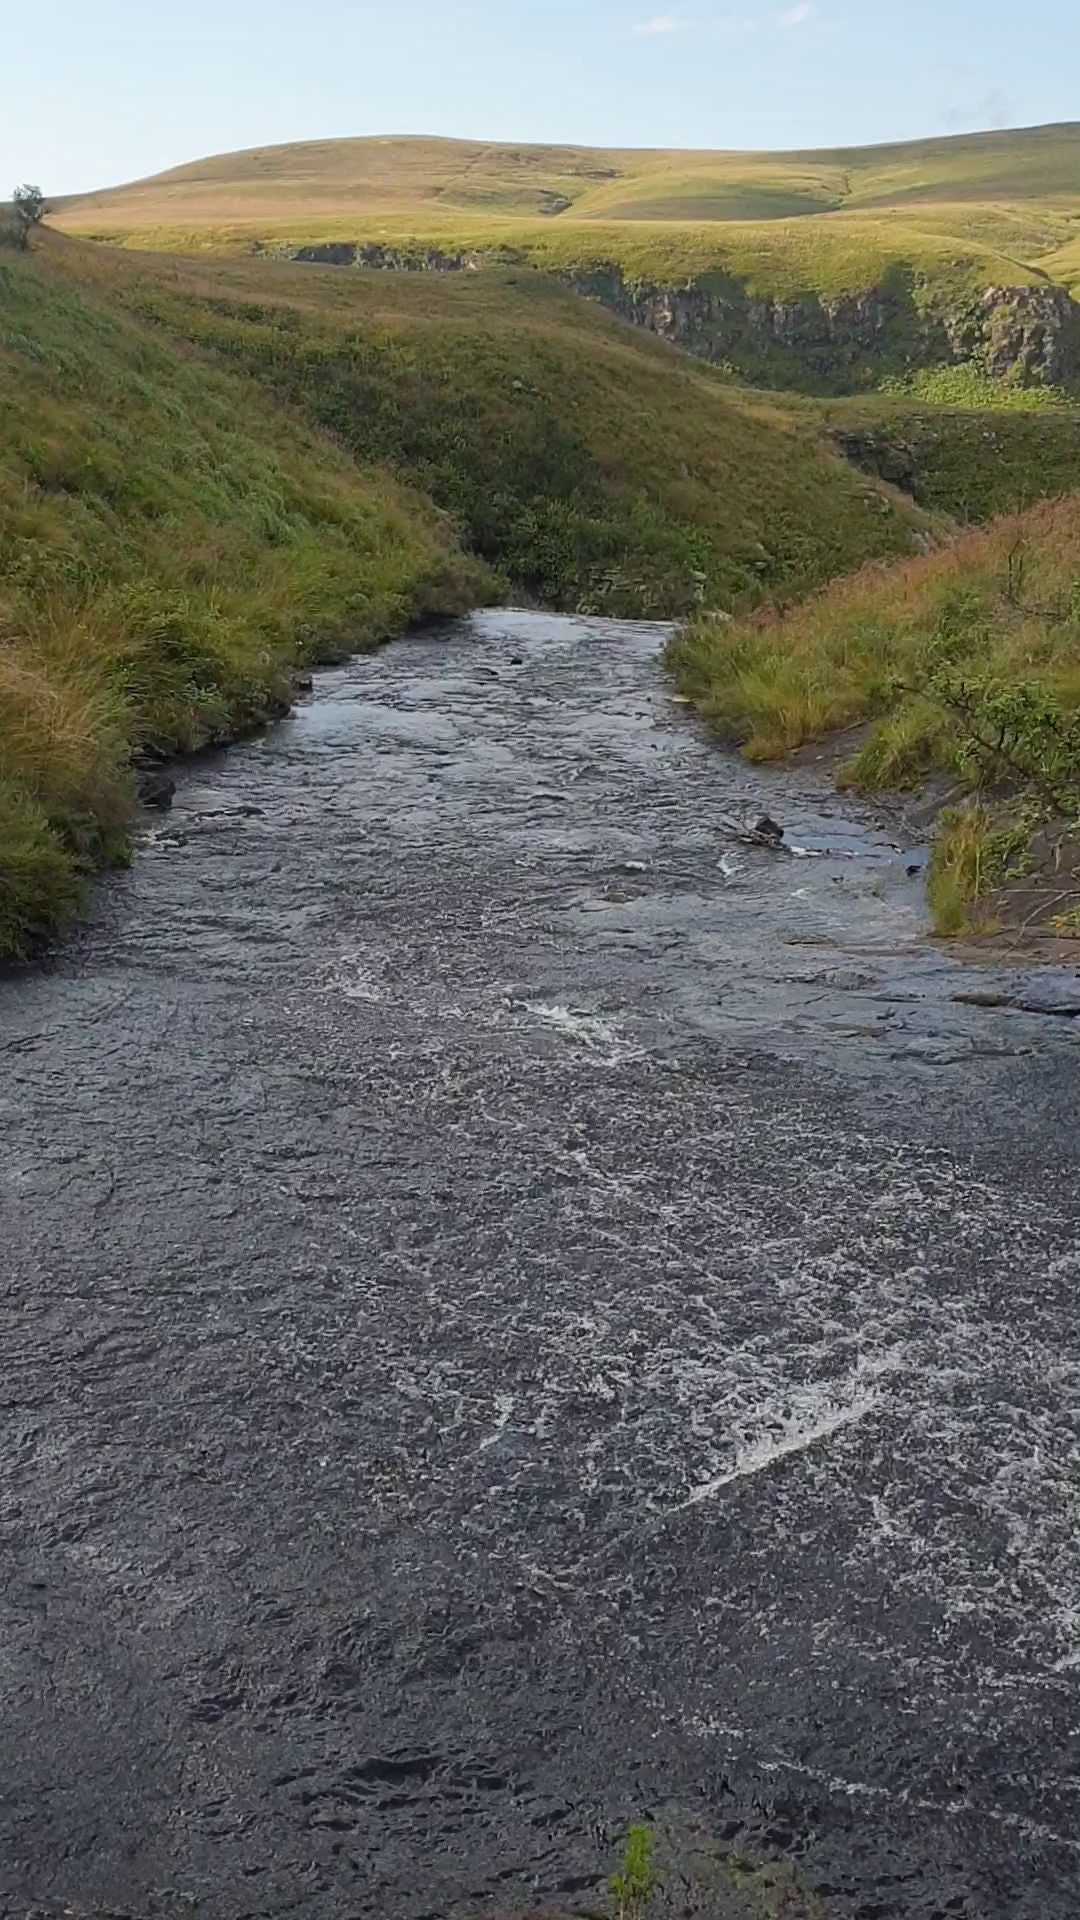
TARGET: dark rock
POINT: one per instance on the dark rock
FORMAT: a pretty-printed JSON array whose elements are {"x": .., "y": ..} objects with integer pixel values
[
  {"x": 1027, "y": 334},
  {"x": 304, "y": 683},
  {"x": 1065, "y": 1009},
  {"x": 157, "y": 790},
  {"x": 767, "y": 829}
]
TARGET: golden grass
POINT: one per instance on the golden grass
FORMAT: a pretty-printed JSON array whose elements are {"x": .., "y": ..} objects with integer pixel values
[{"x": 383, "y": 174}]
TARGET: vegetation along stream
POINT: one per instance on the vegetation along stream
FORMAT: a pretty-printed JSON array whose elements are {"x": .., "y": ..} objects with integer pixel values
[{"x": 524, "y": 1310}]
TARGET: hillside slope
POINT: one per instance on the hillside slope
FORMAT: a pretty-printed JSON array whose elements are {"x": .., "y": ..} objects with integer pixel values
[
  {"x": 821, "y": 272},
  {"x": 1039, "y": 166},
  {"x": 590, "y": 465}
]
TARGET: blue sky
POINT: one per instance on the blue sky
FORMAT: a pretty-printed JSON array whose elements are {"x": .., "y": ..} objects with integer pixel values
[{"x": 107, "y": 90}]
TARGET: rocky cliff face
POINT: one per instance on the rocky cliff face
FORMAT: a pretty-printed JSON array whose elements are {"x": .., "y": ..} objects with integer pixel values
[
  {"x": 811, "y": 343},
  {"x": 803, "y": 342},
  {"x": 1030, "y": 334},
  {"x": 405, "y": 259}
]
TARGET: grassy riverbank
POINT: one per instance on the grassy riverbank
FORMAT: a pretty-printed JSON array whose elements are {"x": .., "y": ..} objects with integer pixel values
[
  {"x": 170, "y": 549},
  {"x": 961, "y": 666}
]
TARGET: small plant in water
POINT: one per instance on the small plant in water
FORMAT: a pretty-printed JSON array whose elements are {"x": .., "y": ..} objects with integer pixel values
[{"x": 635, "y": 1883}]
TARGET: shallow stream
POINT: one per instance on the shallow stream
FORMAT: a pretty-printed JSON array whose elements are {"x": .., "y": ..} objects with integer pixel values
[{"x": 521, "y": 1309}]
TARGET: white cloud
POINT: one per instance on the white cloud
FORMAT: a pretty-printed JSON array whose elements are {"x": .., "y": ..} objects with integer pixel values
[
  {"x": 787, "y": 21},
  {"x": 662, "y": 23}
]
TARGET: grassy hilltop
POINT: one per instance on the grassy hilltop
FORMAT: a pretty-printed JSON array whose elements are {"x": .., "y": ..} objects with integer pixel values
[
  {"x": 1030, "y": 179},
  {"x": 999, "y": 208}
]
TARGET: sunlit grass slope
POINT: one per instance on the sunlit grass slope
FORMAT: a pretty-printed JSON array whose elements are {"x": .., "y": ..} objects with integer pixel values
[
  {"x": 965, "y": 212},
  {"x": 361, "y": 177}
]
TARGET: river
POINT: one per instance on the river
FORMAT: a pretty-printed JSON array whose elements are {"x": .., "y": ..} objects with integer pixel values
[{"x": 521, "y": 1309}]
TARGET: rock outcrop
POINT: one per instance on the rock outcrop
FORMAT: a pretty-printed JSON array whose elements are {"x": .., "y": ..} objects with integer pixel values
[
  {"x": 403, "y": 259},
  {"x": 810, "y": 342},
  {"x": 1028, "y": 334}
]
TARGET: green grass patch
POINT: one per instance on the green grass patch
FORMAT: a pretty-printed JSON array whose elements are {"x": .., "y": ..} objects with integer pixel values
[
  {"x": 969, "y": 388},
  {"x": 973, "y": 855},
  {"x": 831, "y": 256},
  {"x": 962, "y": 445}
]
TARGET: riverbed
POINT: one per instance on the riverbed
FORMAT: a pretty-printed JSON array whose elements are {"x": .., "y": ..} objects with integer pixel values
[{"x": 522, "y": 1309}]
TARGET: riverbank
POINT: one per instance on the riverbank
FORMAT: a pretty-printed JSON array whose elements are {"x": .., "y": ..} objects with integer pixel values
[
  {"x": 174, "y": 549},
  {"x": 960, "y": 668}
]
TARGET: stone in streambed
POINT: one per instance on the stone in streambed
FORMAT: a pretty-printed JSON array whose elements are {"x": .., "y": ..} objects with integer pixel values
[{"x": 157, "y": 790}]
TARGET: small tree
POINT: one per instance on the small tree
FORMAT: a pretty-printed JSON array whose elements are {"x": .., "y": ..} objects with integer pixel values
[{"x": 30, "y": 210}]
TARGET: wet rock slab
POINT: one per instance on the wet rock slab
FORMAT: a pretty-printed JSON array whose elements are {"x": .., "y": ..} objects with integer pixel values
[{"x": 521, "y": 1309}]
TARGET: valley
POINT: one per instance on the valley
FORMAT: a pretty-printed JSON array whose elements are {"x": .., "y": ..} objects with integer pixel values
[{"x": 539, "y": 919}]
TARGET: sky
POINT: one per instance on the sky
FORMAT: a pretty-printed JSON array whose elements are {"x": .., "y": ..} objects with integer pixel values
[{"x": 103, "y": 91}]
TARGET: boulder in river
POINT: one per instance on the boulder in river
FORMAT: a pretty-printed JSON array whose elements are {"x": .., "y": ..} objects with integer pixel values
[{"x": 157, "y": 790}]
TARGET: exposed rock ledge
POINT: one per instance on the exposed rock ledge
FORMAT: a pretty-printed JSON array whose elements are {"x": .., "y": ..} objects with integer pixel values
[{"x": 844, "y": 342}]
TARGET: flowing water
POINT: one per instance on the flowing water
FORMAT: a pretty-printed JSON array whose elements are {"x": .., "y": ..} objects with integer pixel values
[{"x": 519, "y": 1310}]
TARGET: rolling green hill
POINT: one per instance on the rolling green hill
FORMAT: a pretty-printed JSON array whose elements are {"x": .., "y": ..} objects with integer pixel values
[
  {"x": 581, "y": 459},
  {"x": 333, "y": 179},
  {"x": 818, "y": 272}
]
